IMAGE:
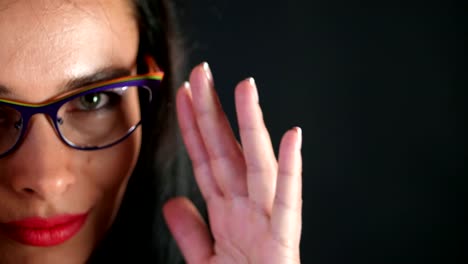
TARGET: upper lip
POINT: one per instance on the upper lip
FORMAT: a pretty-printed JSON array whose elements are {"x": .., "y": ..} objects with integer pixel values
[{"x": 44, "y": 223}]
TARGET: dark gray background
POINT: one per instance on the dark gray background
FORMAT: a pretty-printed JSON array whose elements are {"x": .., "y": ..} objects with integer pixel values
[{"x": 377, "y": 88}]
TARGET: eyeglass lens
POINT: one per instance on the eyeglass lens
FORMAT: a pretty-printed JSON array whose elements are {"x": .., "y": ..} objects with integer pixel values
[
  {"x": 92, "y": 120},
  {"x": 10, "y": 127}
]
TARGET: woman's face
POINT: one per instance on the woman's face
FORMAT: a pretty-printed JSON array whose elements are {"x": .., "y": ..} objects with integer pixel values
[{"x": 43, "y": 46}]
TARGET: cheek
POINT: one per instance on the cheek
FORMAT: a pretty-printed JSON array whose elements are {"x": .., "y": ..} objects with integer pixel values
[
  {"x": 110, "y": 170},
  {"x": 112, "y": 167}
]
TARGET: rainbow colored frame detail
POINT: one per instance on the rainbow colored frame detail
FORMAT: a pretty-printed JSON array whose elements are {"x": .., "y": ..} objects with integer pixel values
[{"x": 150, "y": 81}]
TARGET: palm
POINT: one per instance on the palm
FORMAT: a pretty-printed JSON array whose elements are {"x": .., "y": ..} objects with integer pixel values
[
  {"x": 253, "y": 201},
  {"x": 242, "y": 234}
]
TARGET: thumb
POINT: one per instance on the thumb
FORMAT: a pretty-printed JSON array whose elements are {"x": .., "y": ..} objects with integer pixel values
[{"x": 189, "y": 230}]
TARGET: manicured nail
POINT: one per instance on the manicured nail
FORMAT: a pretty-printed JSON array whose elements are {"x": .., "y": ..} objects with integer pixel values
[
  {"x": 299, "y": 133},
  {"x": 208, "y": 73},
  {"x": 254, "y": 86},
  {"x": 186, "y": 85}
]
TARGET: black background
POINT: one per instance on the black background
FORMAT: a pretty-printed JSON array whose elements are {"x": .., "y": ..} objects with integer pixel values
[{"x": 377, "y": 88}]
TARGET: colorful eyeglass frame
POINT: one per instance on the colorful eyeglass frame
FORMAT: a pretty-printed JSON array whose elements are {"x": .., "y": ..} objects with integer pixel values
[{"x": 151, "y": 80}]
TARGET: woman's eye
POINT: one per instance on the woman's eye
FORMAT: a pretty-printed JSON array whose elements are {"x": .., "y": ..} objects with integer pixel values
[
  {"x": 97, "y": 101},
  {"x": 105, "y": 100},
  {"x": 93, "y": 101},
  {"x": 3, "y": 116}
]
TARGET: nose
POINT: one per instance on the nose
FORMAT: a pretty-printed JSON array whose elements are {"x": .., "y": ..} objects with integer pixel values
[{"x": 40, "y": 165}]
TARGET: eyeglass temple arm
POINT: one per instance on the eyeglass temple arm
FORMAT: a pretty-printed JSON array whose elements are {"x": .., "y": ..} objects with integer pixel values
[{"x": 152, "y": 66}]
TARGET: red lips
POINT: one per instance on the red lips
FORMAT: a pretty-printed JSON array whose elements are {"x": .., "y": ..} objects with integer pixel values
[{"x": 44, "y": 232}]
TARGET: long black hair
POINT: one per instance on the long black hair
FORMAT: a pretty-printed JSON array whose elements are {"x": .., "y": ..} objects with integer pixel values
[{"x": 139, "y": 233}]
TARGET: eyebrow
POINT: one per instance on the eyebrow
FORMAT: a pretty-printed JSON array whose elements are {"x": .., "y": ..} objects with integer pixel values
[{"x": 101, "y": 75}]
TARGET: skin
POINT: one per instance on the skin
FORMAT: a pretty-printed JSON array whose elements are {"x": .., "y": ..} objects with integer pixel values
[
  {"x": 45, "y": 44},
  {"x": 253, "y": 200}
]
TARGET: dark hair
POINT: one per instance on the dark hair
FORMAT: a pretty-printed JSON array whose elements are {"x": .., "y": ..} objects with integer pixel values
[{"x": 139, "y": 233}]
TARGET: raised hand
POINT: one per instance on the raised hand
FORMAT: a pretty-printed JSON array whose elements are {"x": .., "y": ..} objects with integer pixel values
[{"x": 254, "y": 201}]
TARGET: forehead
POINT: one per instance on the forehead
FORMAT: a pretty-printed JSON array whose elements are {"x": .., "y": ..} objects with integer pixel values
[{"x": 47, "y": 42}]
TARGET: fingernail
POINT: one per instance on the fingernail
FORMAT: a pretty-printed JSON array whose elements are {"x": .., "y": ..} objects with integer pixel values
[
  {"x": 186, "y": 85},
  {"x": 254, "y": 86},
  {"x": 299, "y": 133},
  {"x": 207, "y": 70}
]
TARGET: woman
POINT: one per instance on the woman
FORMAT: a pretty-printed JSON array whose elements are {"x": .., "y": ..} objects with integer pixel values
[{"x": 82, "y": 181}]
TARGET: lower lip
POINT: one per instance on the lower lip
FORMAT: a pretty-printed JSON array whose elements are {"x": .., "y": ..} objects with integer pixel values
[{"x": 44, "y": 236}]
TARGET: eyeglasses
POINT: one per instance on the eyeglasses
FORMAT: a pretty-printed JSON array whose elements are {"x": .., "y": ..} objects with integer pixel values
[{"x": 94, "y": 117}]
